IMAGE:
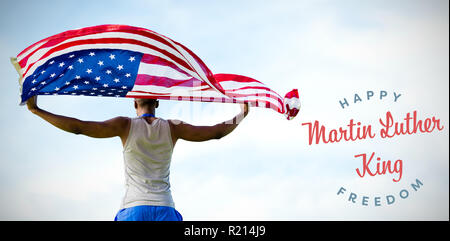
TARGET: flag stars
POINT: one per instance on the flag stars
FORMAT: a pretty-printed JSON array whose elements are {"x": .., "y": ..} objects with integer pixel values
[{"x": 89, "y": 73}]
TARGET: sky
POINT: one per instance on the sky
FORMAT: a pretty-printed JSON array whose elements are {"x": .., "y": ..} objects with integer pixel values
[{"x": 265, "y": 169}]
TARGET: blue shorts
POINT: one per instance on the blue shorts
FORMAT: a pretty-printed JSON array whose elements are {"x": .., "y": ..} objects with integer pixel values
[{"x": 148, "y": 213}]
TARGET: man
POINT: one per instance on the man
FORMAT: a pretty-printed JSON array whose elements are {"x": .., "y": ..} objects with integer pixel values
[{"x": 148, "y": 144}]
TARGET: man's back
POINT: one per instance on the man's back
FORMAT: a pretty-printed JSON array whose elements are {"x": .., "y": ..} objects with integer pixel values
[
  {"x": 147, "y": 155},
  {"x": 148, "y": 145}
]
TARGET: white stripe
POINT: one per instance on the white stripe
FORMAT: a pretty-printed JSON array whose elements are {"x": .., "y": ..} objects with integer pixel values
[
  {"x": 23, "y": 55},
  {"x": 254, "y": 92},
  {"x": 38, "y": 54},
  {"x": 193, "y": 64},
  {"x": 179, "y": 90},
  {"x": 200, "y": 91},
  {"x": 130, "y": 47},
  {"x": 176, "y": 94},
  {"x": 190, "y": 59},
  {"x": 231, "y": 84},
  {"x": 260, "y": 98},
  {"x": 162, "y": 71},
  {"x": 213, "y": 94}
]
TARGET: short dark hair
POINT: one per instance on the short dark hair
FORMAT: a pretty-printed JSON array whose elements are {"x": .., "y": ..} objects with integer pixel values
[{"x": 146, "y": 102}]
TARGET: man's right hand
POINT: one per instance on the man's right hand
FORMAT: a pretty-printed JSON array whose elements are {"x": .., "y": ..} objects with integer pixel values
[
  {"x": 245, "y": 109},
  {"x": 32, "y": 103}
]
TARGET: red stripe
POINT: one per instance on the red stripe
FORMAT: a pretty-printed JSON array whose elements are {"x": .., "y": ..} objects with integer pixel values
[
  {"x": 58, "y": 38},
  {"x": 234, "y": 77},
  {"x": 113, "y": 41},
  {"x": 265, "y": 103},
  {"x": 101, "y": 29},
  {"x": 152, "y": 59},
  {"x": 252, "y": 87},
  {"x": 143, "y": 79},
  {"x": 230, "y": 95},
  {"x": 205, "y": 69},
  {"x": 274, "y": 97},
  {"x": 50, "y": 43}
]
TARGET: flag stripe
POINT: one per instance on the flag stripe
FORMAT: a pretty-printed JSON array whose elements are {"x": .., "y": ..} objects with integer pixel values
[
  {"x": 176, "y": 91},
  {"x": 256, "y": 102},
  {"x": 95, "y": 30},
  {"x": 115, "y": 41},
  {"x": 36, "y": 54},
  {"x": 143, "y": 79},
  {"x": 152, "y": 59},
  {"x": 162, "y": 70},
  {"x": 105, "y": 46}
]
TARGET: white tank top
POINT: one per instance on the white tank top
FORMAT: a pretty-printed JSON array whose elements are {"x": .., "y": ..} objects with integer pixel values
[{"x": 147, "y": 154}]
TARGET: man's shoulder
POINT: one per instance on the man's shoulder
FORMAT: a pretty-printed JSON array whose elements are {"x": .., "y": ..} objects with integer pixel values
[{"x": 121, "y": 120}]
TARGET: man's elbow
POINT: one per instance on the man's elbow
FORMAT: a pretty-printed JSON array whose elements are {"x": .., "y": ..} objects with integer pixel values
[
  {"x": 218, "y": 135},
  {"x": 76, "y": 131}
]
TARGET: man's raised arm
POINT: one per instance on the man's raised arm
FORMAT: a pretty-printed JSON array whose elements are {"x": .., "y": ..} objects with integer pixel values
[
  {"x": 181, "y": 130},
  {"x": 118, "y": 126}
]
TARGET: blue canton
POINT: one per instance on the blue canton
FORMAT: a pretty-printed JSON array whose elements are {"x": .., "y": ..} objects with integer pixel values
[{"x": 98, "y": 72}]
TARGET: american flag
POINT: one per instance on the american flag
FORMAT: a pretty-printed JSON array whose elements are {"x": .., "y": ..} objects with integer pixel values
[{"x": 127, "y": 61}]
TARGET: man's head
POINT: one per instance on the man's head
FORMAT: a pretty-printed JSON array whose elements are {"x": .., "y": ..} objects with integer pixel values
[{"x": 145, "y": 105}]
